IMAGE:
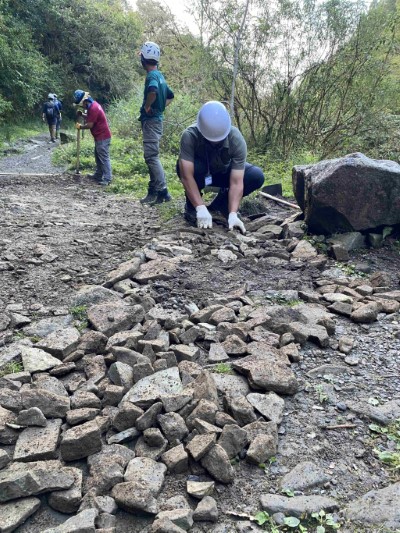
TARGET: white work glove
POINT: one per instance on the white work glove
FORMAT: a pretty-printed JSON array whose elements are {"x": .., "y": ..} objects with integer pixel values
[
  {"x": 204, "y": 219},
  {"x": 235, "y": 222}
]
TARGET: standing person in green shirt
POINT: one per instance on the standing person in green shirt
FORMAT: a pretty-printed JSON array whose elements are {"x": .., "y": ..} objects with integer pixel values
[{"x": 157, "y": 95}]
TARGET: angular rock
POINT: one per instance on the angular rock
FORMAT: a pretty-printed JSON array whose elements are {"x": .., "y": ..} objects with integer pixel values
[
  {"x": 123, "y": 271},
  {"x": 165, "y": 525},
  {"x": 60, "y": 343},
  {"x": 267, "y": 374},
  {"x": 241, "y": 410},
  {"x": 270, "y": 405},
  {"x": 31, "y": 417},
  {"x": 38, "y": 443},
  {"x": 217, "y": 463},
  {"x": 121, "y": 374},
  {"x": 205, "y": 410},
  {"x": 206, "y": 510},
  {"x": 234, "y": 346},
  {"x": 20, "y": 480},
  {"x": 107, "y": 467},
  {"x": 83, "y": 522},
  {"x": 147, "y": 390},
  {"x": 231, "y": 384},
  {"x": 126, "y": 416},
  {"x": 149, "y": 418},
  {"x": 78, "y": 416},
  {"x": 200, "y": 489},
  {"x": 35, "y": 360},
  {"x": 81, "y": 441},
  {"x": 314, "y": 333},
  {"x": 233, "y": 439},
  {"x": 217, "y": 354},
  {"x": 7, "y": 434},
  {"x": 173, "y": 426},
  {"x": 183, "y": 518},
  {"x": 16, "y": 513},
  {"x": 185, "y": 353},
  {"x": 52, "y": 405},
  {"x": 304, "y": 251},
  {"x": 68, "y": 501},
  {"x": 176, "y": 459},
  {"x": 332, "y": 193},
  {"x": 365, "y": 314},
  {"x": 261, "y": 448},
  {"x": 110, "y": 318}
]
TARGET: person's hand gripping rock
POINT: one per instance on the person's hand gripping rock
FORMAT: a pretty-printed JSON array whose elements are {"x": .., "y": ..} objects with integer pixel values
[
  {"x": 235, "y": 222},
  {"x": 204, "y": 219}
]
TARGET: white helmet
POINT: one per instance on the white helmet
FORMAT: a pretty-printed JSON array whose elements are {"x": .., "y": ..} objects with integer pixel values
[
  {"x": 213, "y": 121},
  {"x": 50, "y": 96},
  {"x": 150, "y": 51}
]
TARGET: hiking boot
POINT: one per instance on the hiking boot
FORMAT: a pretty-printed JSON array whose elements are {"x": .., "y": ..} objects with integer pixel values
[
  {"x": 190, "y": 214},
  {"x": 162, "y": 196},
  {"x": 220, "y": 203},
  {"x": 150, "y": 198}
]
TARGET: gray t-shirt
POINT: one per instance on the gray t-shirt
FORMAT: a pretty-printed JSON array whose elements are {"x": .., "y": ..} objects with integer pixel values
[{"x": 230, "y": 153}]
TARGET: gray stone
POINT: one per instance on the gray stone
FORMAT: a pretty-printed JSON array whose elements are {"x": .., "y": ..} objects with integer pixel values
[
  {"x": 298, "y": 505},
  {"x": 182, "y": 518},
  {"x": 107, "y": 467},
  {"x": 35, "y": 360},
  {"x": 270, "y": 405},
  {"x": 16, "y": 513},
  {"x": 165, "y": 525},
  {"x": 304, "y": 250},
  {"x": 173, "y": 426},
  {"x": 60, "y": 343},
  {"x": 217, "y": 463},
  {"x": 217, "y": 354},
  {"x": 176, "y": 402},
  {"x": 153, "y": 437},
  {"x": 38, "y": 443},
  {"x": 147, "y": 472},
  {"x": 234, "y": 346},
  {"x": 85, "y": 399},
  {"x": 242, "y": 410},
  {"x": 81, "y": 441},
  {"x": 93, "y": 295},
  {"x": 133, "y": 496},
  {"x": 123, "y": 436},
  {"x": 184, "y": 352},
  {"x": 149, "y": 389},
  {"x": 377, "y": 508},
  {"x": 44, "y": 327},
  {"x": 231, "y": 384},
  {"x": 68, "y": 501},
  {"x": 10, "y": 398},
  {"x": 200, "y": 445},
  {"x": 200, "y": 489},
  {"x": 267, "y": 374},
  {"x": 31, "y": 417},
  {"x": 365, "y": 314},
  {"x": 205, "y": 410},
  {"x": 78, "y": 416},
  {"x": 303, "y": 476},
  {"x": 4, "y": 459},
  {"x": 110, "y": 318},
  {"x": 126, "y": 416},
  {"x": 121, "y": 374},
  {"x": 143, "y": 449},
  {"x": 123, "y": 271},
  {"x": 7, "y": 434},
  {"x": 149, "y": 418},
  {"x": 353, "y": 240},
  {"x": 52, "y": 405},
  {"x": 20, "y": 480},
  {"x": 341, "y": 308},
  {"x": 158, "y": 269},
  {"x": 206, "y": 510},
  {"x": 203, "y": 315},
  {"x": 176, "y": 459},
  {"x": 313, "y": 333},
  {"x": 93, "y": 342},
  {"x": 233, "y": 439},
  {"x": 83, "y": 522},
  {"x": 261, "y": 448}
]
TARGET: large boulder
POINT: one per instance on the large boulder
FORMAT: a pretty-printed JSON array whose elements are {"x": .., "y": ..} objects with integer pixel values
[{"x": 349, "y": 193}]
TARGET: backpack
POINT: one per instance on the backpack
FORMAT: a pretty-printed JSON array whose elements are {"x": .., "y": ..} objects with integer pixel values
[{"x": 50, "y": 110}]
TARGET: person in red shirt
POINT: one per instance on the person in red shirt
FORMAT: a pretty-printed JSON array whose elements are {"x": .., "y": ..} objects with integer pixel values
[{"x": 96, "y": 122}]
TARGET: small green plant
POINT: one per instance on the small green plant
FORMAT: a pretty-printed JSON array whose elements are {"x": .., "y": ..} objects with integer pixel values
[
  {"x": 223, "y": 368},
  {"x": 290, "y": 523},
  {"x": 288, "y": 492},
  {"x": 11, "y": 368},
  {"x": 18, "y": 335},
  {"x": 322, "y": 396},
  {"x": 390, "y": 458},
  {"x": 326, "y": 522},
  {"x": 350, "y": 270},
  {"x": 35, "y": 338},
  {"x": 79, "y": 312}
]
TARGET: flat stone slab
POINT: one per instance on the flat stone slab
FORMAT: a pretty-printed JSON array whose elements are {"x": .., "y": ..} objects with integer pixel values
[
  {"x": 44, "y": 327},
  {"x": 81, "y": 441},
  {"x": 110, "y": 318},
  {"x": 231, "y": 385},
  {"x": 298, "y": 505},
  {"x": 267, "y": 374},
  {"x": 145, "y": 470},
  {"x": 159, "y": 269},
  {"x": 16, "y": 513},
  {"x": 380, "y": 507},
  {"x": 123, "y": 271},
  {"x": 93, "y": 295},
  {"x": 20, "y": 480},
  {"x": 60, "y": 343},
  {"x": 83, "y": 522},
  {"x": 270, "y": 405},
  {"x": 38, "y": 443},
  {"x": 304, "y": 476},
  {"x": 147, "y": 390},
  {"x": 36, "y": 360}
]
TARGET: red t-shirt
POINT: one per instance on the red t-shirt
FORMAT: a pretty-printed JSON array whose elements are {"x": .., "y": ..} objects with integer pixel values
[{"x": 100, "y": 130}]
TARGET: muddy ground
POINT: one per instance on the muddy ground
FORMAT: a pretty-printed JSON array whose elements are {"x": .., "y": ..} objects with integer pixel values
[{"x": 87, "y": 232}]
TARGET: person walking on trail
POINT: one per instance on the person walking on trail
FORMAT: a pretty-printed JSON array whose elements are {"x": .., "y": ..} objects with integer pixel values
[
  {"x": 96, "y": 122},
  {"x": 58, "y": 105},
  {"x": 213, "y": 153},
  {"x": 49, "y": 115},
  {"x": 157, "y": 96}
]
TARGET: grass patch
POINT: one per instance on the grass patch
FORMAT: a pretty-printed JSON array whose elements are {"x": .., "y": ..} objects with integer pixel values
[
  {"x": 11, "y": 368},
  {"x": 10, "y": 133},
  {"x": 390, "y": 434},
  {"x": 223, "y": 368},
  {"x": 79, "y": 312}
]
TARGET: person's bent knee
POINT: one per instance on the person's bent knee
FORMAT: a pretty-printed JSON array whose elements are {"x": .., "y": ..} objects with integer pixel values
[{"x": 258, "y": 177}]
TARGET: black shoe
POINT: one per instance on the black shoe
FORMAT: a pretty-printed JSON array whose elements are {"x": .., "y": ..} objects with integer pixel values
[
  {"x": 163, "y": 196},
  {"x": 151, "y": 196},
  {"x": 220, "y": 203},
  {"x": 190, "y": 214}
]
